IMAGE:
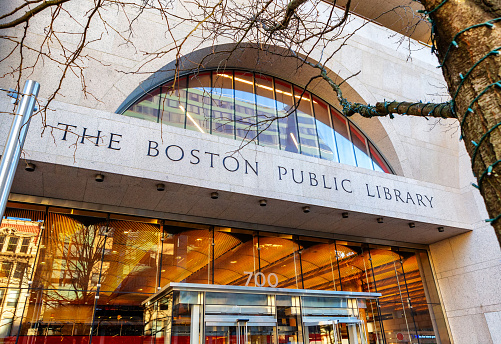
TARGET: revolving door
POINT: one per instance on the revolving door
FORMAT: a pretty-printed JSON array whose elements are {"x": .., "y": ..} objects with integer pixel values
[{"x": 184, "y": 313}]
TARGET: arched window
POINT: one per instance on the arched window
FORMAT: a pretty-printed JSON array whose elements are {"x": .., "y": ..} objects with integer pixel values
[{"x": 249, "y": 106}]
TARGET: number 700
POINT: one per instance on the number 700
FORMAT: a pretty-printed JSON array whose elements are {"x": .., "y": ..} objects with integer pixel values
[{"x": 271, "y": 276}]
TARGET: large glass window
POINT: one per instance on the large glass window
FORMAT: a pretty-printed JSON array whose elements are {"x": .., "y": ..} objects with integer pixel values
[
  {"x": 271, "y": 112},
  {"x": 84, "y": 277}
]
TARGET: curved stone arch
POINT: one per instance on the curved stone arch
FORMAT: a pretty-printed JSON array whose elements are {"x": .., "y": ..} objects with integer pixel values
[{"x": 265, "y": 61}]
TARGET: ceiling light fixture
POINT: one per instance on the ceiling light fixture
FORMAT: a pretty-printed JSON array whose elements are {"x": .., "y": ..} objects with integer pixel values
[
  {"x": 30, "y": 167},
  {"x": 441, "y": 229},
  {"x": 214, "y": 195},
  {"x": 306, "y": 209},
  {"x": 379, "y": 220},
  {"x": 344, "y": 215},
  {"x": 412, "y": 225},
  {"x": 263, "y": 203}
]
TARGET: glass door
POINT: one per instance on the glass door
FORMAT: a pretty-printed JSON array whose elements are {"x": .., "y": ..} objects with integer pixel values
[
  {"x": 334, "y": 332},
  {"x": 239, "y": 331},
  {"x": 322, "y": 332}
]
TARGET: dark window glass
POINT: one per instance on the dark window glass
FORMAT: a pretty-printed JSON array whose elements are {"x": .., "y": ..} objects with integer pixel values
[
  {"x": 12, "y": 245},
  {"x": 25, "y": 244},
  {"x": 20, "y": 268},
  {"x": 5, "y": 269}
]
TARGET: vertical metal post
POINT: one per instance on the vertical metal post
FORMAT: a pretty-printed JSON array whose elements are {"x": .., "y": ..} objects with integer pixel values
[{"x": 15, "y": 141}]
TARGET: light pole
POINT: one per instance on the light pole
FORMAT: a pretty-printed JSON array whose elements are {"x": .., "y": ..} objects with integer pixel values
[{"x": 15, "y": 141}]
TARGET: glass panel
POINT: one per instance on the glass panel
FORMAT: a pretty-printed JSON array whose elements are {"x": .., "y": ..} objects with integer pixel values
[
  {"x": 118, "y": 318},
  {"x": 130, "y": 258},
  {"x": 173, "y": 103},
  {"x": 266, "y": 112},
  {"x": 187, "y": 256},
  {"x": 241, "y": 334},
  {"x": 279, "y": 263},
  {"x": 287, "y": 117},
  {"x": 379, "y": 163},
  {"x": 260, "y": 335},
  {"x": 147, "y": 107},
  {"x": 198, "y": 109},
  {"x": 12, "y": 244},
  {"x": 223, "y": 106},
  {"x": 70, "y": 254},
  {"x": 182, "y": 315},
  {"x": 221, "y": 335},
  {"x": 359, "y": 143},
  {"x": 306, "y": 123},
  {"x": 20, "y": 231},
  {"x": 236, "y": 299},
  {"x": 55, "y": 314},
  {"x": 288, "y": 319},
  {"x": 238, "y": 265},
  {"x": 326, "y": 139},
  {"x": 416, "y": 302},
  {"x": 242, "y": 105},
  {"x": 245, "y": 106},
  {"x": 324, "y": 334},
  {"x": 344, "y": 145}
]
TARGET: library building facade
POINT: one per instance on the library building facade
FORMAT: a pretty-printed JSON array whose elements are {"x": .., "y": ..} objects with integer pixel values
[{"x": 235, "y": 206}]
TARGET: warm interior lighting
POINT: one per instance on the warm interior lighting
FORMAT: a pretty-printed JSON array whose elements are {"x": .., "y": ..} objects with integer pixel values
[
  {"x": 233, "y": 262},
  {"x": 294, "y": 140},
  {"x": 263, "y": 86},
  {"x": 191, "y": 119}
]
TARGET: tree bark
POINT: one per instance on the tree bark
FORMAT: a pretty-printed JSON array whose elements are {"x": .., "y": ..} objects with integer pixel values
[{"x": 471, "y": 65}]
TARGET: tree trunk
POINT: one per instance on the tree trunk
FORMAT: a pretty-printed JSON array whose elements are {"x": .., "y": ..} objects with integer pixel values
[{"x": 471, "y": 70}]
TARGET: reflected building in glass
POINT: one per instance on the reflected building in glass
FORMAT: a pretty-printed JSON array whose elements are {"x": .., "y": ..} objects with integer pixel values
[
  {"x": 262, "y": 109},
  {"x": 76, "y": 275}
]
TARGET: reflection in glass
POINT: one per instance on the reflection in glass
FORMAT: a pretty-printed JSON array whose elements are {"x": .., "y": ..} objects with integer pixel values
[
  {"x": 266, "y": 112},
  {"x": 93, "y": 272},
  {"x": 344, "y": 145},
  {"x": 146, "y": 107},
  {"x": 306, "y": 123},
  {"x": 223, "y": 106},
  {"x": 360, "y": 147},
  {"x": 173, "y": 103},
  {"x": 272, "y": 112},
  {"x": 279, "y": 257},
  {"x": 198, "y": 103},
  {"x": 287, "y": 122},
  {"x": 245, "y": 106},
  {"x": 326, "y": 139}
]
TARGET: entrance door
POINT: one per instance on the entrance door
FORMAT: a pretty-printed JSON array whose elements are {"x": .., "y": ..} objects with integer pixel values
[
  {"x": 334, "y": 332},
  {"x": 232, "y": 330}
]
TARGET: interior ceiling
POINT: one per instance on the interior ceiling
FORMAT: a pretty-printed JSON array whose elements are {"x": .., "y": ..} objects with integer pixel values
[
  {"x": 131, "y": 195},
  {"x": 398, "y": 15}
]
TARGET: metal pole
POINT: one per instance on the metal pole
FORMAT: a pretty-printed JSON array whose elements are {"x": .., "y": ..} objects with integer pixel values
[{"x": 15, "y": 141}]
